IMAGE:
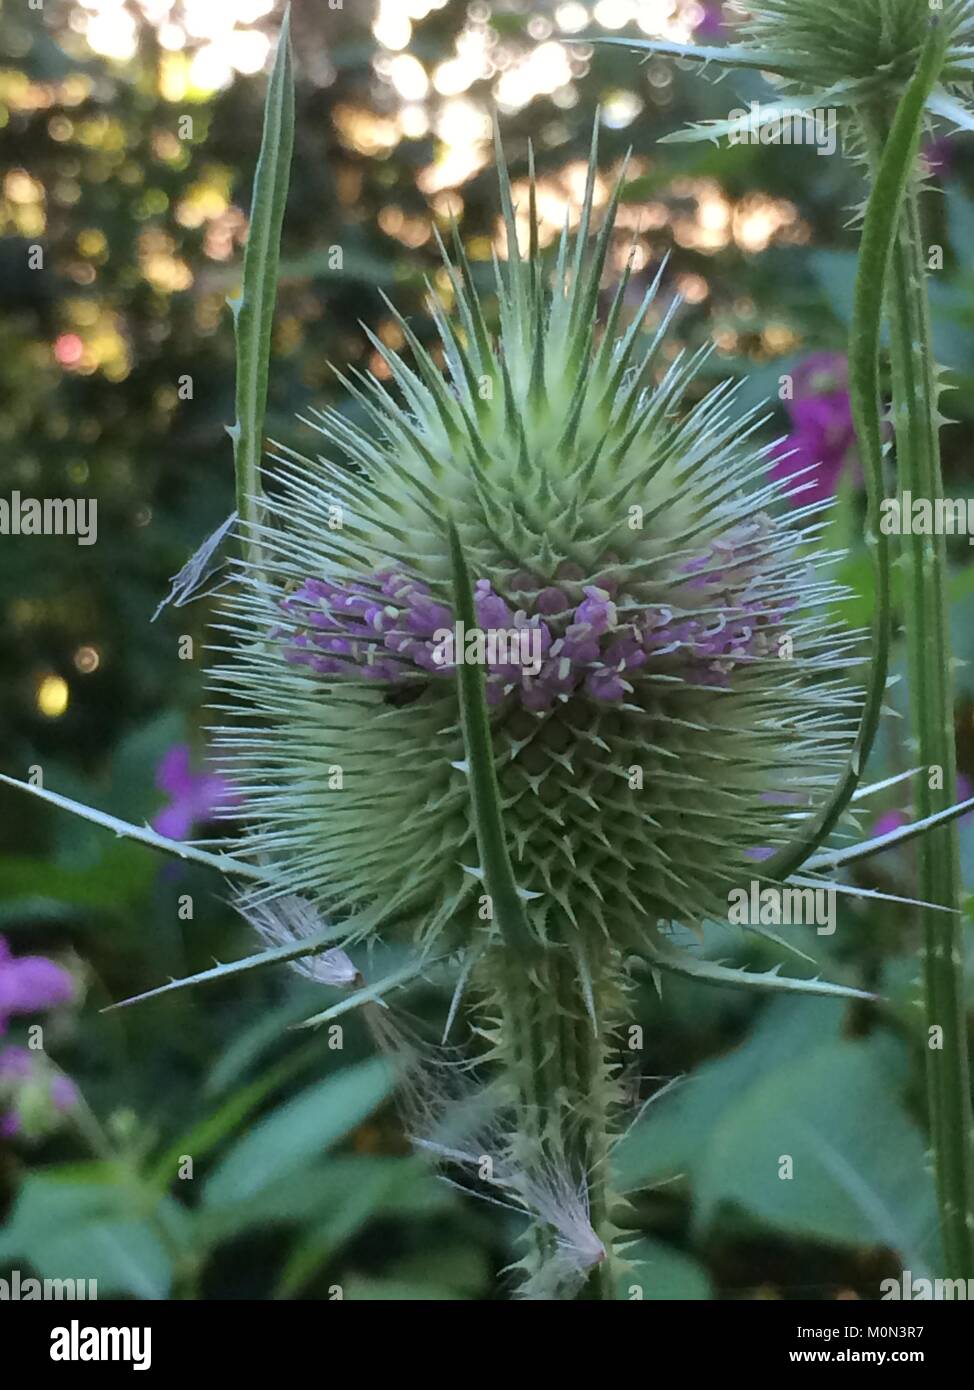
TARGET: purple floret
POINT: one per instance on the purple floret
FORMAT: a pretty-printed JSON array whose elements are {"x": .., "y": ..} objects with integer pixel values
[
  {"x": 389, "y": 628},
  {"x": 29, "y": 984}
]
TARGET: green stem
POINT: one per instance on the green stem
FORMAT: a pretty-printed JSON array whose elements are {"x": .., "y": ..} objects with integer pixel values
[
  {"x": 556, "y": 1068},
  {"x": 916, "y": 420}
]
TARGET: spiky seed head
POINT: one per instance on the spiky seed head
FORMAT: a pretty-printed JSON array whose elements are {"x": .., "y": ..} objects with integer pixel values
[
  {"x": 834, "y": 43},
  {"x": 681, "y": 673}
]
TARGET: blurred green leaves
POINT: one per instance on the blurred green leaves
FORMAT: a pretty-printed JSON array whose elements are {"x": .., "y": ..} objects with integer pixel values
[
  {"x": 797, "y": 1097},
  {"x": 312, "y": 1121}
]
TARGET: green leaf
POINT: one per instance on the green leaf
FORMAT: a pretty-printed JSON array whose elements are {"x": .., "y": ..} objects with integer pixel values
[
  {"x": 254, "y": 311},
  {"x": 660, "y": 1272},
  {"x": 412, "y": 971},
  {"x": 73, "y": 1228},
  {"x": 274, "y": 955},
  {"x": 286, "y": 1140},
  {"x": 248, "y": 1045},
  {"x": 942, "y": 104},
  {"x": 213, "y": 1128},
  {"x": 118, "y": 878},
  {"x": 332, "y": 1202},
  {"x": 351, "y": 1192},
  {"x": 760, "y": 60},
  {"x": 459, "y": 1272},
  {"x": 752, "y": 122},
  {"x": 830, "y": 860},
  {"x": 661, "y": 955},
  {"x": 132, "y": 794},
  {"x": 123, "y": 1256},
  {"x": 858, "y": 1163},
  {"x": 677, "y": 1125},
  {"x": 796, "y": 1088},
  {"x": 359, "y": 1289}
]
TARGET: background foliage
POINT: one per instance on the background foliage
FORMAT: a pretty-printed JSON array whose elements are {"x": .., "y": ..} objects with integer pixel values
[{"x": 301, "y": 1177}]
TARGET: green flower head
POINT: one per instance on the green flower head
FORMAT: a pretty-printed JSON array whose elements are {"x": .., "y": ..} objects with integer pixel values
[
  {"x": 854, "y": 57},
  {"x": 868, "y": 42},
  {"x": 661, "y": 667}
]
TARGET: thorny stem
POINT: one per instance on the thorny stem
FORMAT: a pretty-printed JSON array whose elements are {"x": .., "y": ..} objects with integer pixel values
[
  {"x": 917, "y": 420},
  {"x": 558, "y": 1072}
]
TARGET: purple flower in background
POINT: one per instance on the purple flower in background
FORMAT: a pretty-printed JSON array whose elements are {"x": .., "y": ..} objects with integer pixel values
[
  {"x": 711, "y": 23},
  {"x": 32, "y": 1090},
  {"x": 35, "y": 1091},
  {"x": 29, "y": 984},
  {"x": 893, "y": 820},
  {"x": 822, "y": 436},
  {"x": 888, "y": 822},
  {"x": 939, "y": 156},
  {"x": 194, "y": 797}
]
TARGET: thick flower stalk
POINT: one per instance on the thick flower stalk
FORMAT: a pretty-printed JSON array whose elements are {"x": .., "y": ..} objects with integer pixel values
[{"x": 893, "y": 69}]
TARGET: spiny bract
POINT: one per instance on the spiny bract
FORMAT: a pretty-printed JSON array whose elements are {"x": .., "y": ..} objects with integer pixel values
[
  {"x": 867, "y": 42},
  {"x": 687, "y": 679}
]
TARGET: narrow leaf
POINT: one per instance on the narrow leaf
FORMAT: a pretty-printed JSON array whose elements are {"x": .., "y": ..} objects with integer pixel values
[
  {"x": 372, "y": 993},
  {"x": 275, "y": 955},
  {"x": 662, "y": 956},
  {"x": 750, "y": 122},
  {"x": 761, "y": 60},
  {"x": 950, "y": 109},
  {"x": 223, "y": 863},
  {"x": 837, "y": 859},
  {"x": 254, "y": 310},
  {"x": 873, "y": 787}
]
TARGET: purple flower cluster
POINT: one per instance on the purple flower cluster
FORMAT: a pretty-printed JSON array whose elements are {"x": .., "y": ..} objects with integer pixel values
[
  {"x": 389, "y": 630},
  {"x": 29, "y": 984},
  {"x": 34, "y": 1088},
  {"x": 379, "y": 631},
  {"x": 194, "y": 797},
  {"x": 29, "y": 1083},
  {"x": 711, "y": 24},
  {"x": 822, "y": 436}
]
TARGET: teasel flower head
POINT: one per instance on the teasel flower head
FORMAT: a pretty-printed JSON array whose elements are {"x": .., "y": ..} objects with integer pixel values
[
  {"x": 849, "y": 57},
  {"x": 864, "y": 43},
  {"x": 664, "y": 667}
]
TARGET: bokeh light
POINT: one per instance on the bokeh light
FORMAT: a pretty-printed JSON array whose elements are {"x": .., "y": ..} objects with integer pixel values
[{"x": 52, "y": 696}]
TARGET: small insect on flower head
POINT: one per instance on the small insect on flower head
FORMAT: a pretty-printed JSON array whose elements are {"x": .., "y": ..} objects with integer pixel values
[{"x": 657, "y": 642}]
